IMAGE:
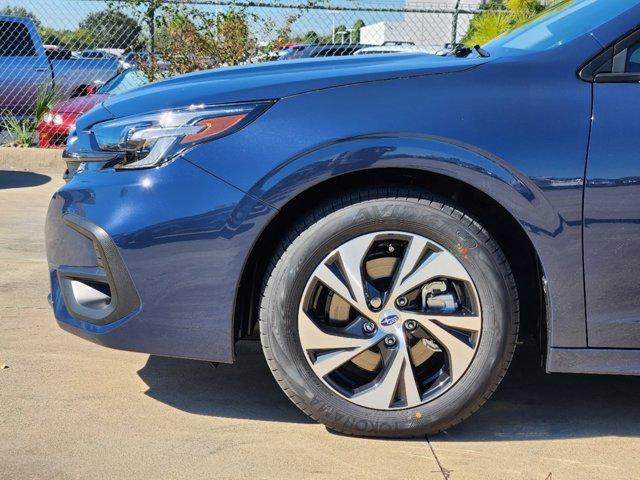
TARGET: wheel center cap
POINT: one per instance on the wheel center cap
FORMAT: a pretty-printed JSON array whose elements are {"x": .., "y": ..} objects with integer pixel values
[{"x": 388, "y": 318}]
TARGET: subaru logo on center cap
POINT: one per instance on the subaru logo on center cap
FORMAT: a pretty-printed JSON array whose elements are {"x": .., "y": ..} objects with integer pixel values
[{"x": 389, "y": 319}]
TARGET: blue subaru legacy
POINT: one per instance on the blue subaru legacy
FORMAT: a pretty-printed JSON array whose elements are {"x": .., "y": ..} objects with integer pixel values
[{"x": 385, "y": 223}]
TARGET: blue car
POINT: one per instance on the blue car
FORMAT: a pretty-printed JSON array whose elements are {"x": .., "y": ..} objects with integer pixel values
[{"x": 386, "y": 224}]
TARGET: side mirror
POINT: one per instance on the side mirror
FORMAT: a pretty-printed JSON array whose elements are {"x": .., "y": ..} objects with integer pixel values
[{"x": 93, "y": 88}]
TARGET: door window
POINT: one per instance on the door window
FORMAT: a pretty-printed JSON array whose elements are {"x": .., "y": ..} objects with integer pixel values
[
  {"x": 15, "y": 40},
  {"x": 633, "y": 59}
]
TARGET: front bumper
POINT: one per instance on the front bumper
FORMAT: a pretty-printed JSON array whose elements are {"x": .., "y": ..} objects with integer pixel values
[
  {"x": 149, "y": 260},
  {"x": 102, "y": 294}
]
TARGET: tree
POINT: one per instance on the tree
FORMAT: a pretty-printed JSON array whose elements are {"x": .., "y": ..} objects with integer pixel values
[
  {"x": 20, "y": 12},
  {"x": 233, "y": 37},
  {"x": 112, "y": 29},
  {"x": 152, "y": 14},
  {"x": 72, "y": 39},
  {"x": 310, "y": 37},
  {"x": 355, "y": 35},
  {"x": 190, "y": 39}
]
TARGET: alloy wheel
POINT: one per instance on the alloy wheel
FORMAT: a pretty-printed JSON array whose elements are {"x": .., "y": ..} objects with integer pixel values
[{"x": 389, "y": 320}]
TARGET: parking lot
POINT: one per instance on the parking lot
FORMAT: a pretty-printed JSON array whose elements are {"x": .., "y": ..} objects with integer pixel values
[{"x": 71, "y": 409}]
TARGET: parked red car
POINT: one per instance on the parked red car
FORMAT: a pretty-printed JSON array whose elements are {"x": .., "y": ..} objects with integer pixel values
[{"x": 53, "y": 130}]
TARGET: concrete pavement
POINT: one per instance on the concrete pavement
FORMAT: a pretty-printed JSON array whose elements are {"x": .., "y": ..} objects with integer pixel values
[{"x": 71, "y": 409}]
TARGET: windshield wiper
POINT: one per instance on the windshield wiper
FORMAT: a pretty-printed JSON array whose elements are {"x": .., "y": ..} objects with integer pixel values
[
  {"x": 481, "y": 51},
  {"x": 464, "y": 51}
]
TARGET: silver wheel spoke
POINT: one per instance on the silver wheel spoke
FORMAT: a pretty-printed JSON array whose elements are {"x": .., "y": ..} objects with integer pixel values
[
  {"x": 466, "y": 323},
  {"x": 437, "y": 264},
  {"x": 343, "y": 347},
  {"x": 382, "y": 393},
  {"x": 411, "y": 391},
  {"x": 350, "y": 256},
  {"x": 459, "y": 353},
  {"x": 412, "y": 255},
  {"x": 396, "y": 372}
]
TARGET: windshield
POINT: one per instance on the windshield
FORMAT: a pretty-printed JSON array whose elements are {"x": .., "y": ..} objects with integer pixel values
[
  {"x": 127, "y": 80},
  {"x": 560, "y": 24}
]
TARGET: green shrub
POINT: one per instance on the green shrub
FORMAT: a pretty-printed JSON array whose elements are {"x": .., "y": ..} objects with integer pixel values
[
  {"x": 498, "y": 17},
  {"x": 22, "y": 132}
]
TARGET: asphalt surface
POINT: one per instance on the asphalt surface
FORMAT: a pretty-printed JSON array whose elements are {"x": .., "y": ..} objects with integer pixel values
[{"x": 71, "y": 409}]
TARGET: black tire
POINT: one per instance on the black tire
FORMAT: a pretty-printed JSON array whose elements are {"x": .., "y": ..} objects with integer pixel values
[{"x": 365, "y": 211}]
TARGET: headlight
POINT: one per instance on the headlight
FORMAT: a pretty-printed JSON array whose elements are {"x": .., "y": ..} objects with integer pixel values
[
  {"x": 48, "y": 118},
  {"x": 57, "y": 120},
  {"x": 153, "y": 139}
]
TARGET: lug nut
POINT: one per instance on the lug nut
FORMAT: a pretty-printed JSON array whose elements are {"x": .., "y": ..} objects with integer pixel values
[
  {"x": 410, "y": 325},
  {"x": 402, "y": 301},
  {"x": 390, "y": 341},
  {"x": 369, "y": 327},
  {"x": 375, "y": 302}
]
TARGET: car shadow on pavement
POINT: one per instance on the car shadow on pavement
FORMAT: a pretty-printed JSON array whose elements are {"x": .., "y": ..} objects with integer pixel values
[
  {"x": 11, "y": 179},
  {"x": 245, "y": 389},
  {"x": 528, "y": 405},
  {"x": 532, "y": 405}
]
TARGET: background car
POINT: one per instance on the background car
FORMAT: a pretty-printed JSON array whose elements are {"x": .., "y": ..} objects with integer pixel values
[
  {"x": 53, "y": 131},
  {"x": 133, "y": 59},
  {"x": 27, "y": 69},
  {"x": 94, "y": 55},
  {"x": 390, "y": 47},
  {"x": 320, "y": 50}
]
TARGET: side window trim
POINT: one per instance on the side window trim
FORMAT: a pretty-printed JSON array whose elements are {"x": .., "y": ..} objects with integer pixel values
[{"x": 610, "y": 65}]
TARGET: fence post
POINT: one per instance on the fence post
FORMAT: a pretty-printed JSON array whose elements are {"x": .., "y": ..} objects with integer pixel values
[
  {"x": 454, "y": 24},
  {"x": 152, "y": 28}
]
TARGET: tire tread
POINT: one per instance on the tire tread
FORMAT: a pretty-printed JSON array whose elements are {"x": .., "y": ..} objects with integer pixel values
[{"x": 413, "y": 195}]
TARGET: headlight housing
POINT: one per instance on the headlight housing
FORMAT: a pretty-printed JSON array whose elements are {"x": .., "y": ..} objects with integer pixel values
[{"x": 153, "y": 139}]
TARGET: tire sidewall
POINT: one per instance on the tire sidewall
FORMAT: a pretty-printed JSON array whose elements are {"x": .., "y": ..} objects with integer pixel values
[{"x": 288, "y": 280}]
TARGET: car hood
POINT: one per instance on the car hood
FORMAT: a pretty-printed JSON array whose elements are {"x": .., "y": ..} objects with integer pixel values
[
  {"x": 79, "y": 104},
  {"x": 280, "y": 79}
]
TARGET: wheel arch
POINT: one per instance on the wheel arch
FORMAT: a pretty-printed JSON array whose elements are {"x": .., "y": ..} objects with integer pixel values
[{"x": 506, "y": 226}]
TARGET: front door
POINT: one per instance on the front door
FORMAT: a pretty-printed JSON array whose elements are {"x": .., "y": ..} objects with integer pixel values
[{"x": 612, "y": 204}]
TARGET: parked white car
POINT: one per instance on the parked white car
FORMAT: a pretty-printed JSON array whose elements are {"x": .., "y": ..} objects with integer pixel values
[{"x": 391, "y": 47}]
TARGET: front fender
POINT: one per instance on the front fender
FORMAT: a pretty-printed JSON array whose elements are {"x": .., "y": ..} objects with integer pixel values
[
  {"x": 477, "y": 168},
  {"x": 521, "y": 196}
]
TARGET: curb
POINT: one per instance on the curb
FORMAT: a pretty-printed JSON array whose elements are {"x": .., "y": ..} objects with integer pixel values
[{"x": 45, "y": 160}]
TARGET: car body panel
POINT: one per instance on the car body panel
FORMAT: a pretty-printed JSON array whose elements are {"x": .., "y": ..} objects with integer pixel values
[
  {"x": 196, "y": 242},
  {"x": 276, "y": 80},
  {"x": 80, "y": 105},
  {"x": 612, "y": 219},
  {"x": 22, "y": 77},
  {"x": 541, "y": 186},
  {"x": 191, "y": 225},
  {"x": 17, "y": 93}
]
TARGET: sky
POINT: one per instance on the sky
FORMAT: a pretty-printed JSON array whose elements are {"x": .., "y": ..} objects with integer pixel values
[{"x": 68, "y": 13}]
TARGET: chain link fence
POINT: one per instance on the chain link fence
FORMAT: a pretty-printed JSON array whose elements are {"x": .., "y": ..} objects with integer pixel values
[{"x": 58, "y": 58}]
